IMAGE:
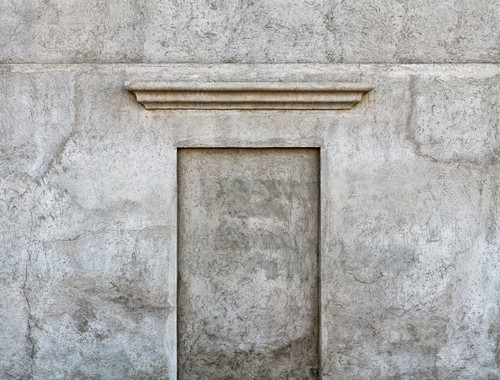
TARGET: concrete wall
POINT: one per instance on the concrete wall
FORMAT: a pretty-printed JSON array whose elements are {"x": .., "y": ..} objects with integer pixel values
[{"x": 410, "y": 197}]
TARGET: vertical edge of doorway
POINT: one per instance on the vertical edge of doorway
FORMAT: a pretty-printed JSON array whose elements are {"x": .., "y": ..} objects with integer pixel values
[
  {"x": 319, "y": 232},
  {"x": 177, "y": 217},
  {"x": 321, "y": 153},
  {"x": 321, "y": 206}
]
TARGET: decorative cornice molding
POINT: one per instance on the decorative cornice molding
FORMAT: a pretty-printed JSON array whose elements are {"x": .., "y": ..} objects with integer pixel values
[{"x": 247, "y": 95}]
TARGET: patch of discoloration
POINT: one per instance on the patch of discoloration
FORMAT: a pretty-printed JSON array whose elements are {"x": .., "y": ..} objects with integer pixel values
[{"x": 112, "y": 323}]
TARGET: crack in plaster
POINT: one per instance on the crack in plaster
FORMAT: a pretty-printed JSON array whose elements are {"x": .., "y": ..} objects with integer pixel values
[
  {"x": 491, "y": 158},
  {"x": 410, "y": 133},
  {"x": 366, "y": 281},
  {"x": 30, "y": 339},
  {"x": 137, "y": 231},
  {"x": 58, "y": 151}
]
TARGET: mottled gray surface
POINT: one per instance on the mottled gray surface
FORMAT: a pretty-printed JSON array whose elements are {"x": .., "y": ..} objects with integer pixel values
[
  {"x": 410, "y": 31},
  {"x": 410, "y": 217},
  {"x": 409, "y": 179},
  {"x": 248, "y": 263}
]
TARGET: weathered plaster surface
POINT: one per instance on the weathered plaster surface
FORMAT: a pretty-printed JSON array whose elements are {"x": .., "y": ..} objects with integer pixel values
[
  {"x": 410, "y": 217},
  {"x": 278, "y": 31},
  {"x": 409, "y": 179}
]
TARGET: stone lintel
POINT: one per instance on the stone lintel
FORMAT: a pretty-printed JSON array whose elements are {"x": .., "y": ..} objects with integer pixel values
[{"x": 248, "y": 95}]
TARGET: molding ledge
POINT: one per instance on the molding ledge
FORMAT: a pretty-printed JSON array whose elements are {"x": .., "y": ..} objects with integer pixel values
[{"x": 247, "y": 95}]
